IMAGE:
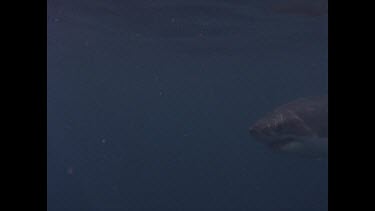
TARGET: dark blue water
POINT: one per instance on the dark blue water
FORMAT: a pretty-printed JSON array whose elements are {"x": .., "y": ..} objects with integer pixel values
[{"x": 149, "y": 103}]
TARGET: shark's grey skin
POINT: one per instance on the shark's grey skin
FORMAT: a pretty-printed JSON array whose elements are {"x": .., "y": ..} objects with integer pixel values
[{"x": 299, "y": 127}]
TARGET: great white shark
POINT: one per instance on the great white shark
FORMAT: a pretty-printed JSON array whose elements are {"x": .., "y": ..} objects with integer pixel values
[{"x": 298, "y": 127}]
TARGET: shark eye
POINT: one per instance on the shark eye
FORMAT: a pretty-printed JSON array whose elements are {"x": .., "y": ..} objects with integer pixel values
[{"x": 279, "y": 128}]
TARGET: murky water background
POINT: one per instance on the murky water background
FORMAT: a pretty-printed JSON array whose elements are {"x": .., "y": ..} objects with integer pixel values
[{"x": 149, "y": 103}]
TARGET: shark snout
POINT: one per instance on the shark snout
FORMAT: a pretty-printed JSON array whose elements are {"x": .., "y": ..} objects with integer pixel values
[{"x": 262, "y": 132}]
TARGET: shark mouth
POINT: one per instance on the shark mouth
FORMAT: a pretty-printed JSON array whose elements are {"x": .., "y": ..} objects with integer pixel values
[
  {"x": 306, "y": 146},
  {"x": 281, "y": 143}
]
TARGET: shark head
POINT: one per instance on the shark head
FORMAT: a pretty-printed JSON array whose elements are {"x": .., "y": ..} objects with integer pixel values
[{"x": 299, "y": 127}]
